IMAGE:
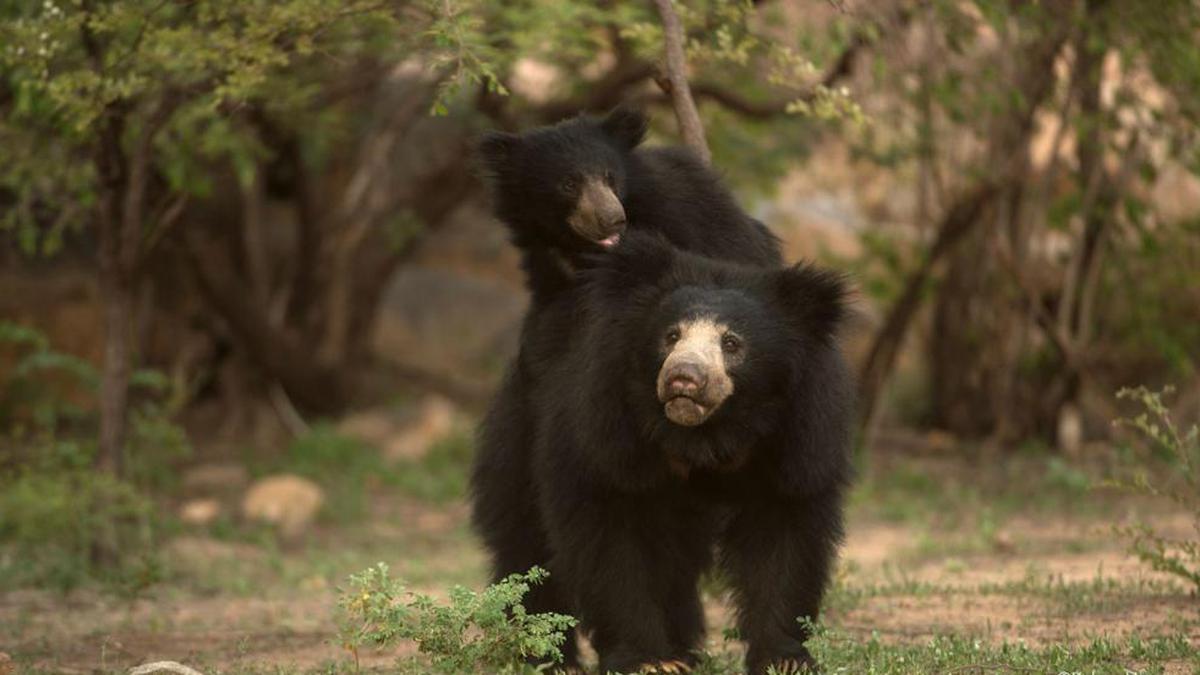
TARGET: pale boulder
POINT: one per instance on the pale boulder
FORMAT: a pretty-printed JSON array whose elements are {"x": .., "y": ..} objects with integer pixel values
[
  {"x": 286, "y": 501},
  {"x": 200, "y": 512}
]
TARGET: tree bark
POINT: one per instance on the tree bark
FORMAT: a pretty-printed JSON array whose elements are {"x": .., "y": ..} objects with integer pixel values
[
  {"x": 676, "y": 84},
  {"x": 369, "y": 196},
  {"x": 958, "y": 221},
  {"x": 117, "y": 290},
  {"x": 114, "y": 383},
  {"x": 1006, "y": 150},
  {"x": 282, "y": 354}
]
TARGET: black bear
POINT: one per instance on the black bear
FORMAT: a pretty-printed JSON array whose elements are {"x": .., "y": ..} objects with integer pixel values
[
  {"x": 575, "y": 187},
  {"x": 564, "y": 192},
  {"x": 692, "y": 403}
]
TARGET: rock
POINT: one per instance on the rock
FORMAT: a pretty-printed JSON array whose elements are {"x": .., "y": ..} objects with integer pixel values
[
  {"x": 403, "y": 436},
  {"x": 286, "y": 501},
  {"x": 215, "y": 478},
  {"x": 423, "y": 306},
  {"x": 1003, "y": 542},
  {"x": 7, "y": 667},
  {"x": 164, "y": 667},
  {"x": 200, "y": 511},
  {"x": 434, "y": 420},
  {"x": 1069, "y": 434},
  {"x": 373, "y": 427}
]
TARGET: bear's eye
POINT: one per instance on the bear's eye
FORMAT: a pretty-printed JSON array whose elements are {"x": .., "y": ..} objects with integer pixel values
[
  {"x": 608, "y": 177},
  {"x": 568, "y": 185},
  {"x": 671, "y": 337},
  {"x": 731, "y": 344}
]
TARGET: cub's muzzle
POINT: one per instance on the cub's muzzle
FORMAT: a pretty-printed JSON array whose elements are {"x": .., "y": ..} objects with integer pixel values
[{"x": 598, "y": 216}]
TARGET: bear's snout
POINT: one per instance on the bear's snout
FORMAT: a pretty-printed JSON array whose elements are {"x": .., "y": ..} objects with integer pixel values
[
  {"x": 685, "y": 379},
  {"x": 598, "y": 216},
  {"x": 693, "y": 381}
]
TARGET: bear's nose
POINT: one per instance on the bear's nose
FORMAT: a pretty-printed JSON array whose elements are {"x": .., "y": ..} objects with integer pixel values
[
  {"x": 616, "y": 225},
  {"x": 686, "y": 379}
]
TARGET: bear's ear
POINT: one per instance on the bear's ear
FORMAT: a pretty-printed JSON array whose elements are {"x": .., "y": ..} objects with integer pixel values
[
  {"x": 626, "y": 125},
  {"x": 813, "y": 298},
  {"x": 495, "y": 150}
]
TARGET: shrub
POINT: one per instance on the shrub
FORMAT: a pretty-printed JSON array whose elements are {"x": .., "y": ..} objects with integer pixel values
[
  {"x": 486, "y": 632},
  {"x": 1181, "y": 451},
  {"x": 53, "y": 522},
  {"x": 61, "y": 522}
]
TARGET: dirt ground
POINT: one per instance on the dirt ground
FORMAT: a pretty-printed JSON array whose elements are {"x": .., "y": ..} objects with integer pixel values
[{"x": 1029, "y": 573}]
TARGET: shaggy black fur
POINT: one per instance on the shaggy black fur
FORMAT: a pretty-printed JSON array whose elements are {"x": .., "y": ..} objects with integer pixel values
[
  {"x": 624, "y": 507},
  {"x": 536, "y": 179}
]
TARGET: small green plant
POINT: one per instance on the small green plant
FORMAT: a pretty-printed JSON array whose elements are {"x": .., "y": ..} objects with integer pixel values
[
  {"x": 485, "y": 632},
  {"x": 61, "y": 522},
  {"x": 1181, "y": 450},
  {"x": 843, "y": 653}
]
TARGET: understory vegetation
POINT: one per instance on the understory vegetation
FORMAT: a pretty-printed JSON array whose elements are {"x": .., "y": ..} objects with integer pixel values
[
  {"x": 61, "y": 524},
  {"x": 1179, "y": 450}
]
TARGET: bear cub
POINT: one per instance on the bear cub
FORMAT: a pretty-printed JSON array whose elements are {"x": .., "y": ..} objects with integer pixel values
[
  {"x": 694, "y": 405},
  {"x": 576, "y": 187}
]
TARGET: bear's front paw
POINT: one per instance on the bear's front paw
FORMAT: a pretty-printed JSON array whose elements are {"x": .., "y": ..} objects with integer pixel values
[
  {"x": 782, "y": 662},
  {"x": 791, "y": 667},
  {"x": 665, "y": 668}
]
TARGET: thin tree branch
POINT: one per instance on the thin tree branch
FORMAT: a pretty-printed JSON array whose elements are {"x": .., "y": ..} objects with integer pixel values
[
  {"x": 281, "y": 353},
  {"x": 778, "y": 104},
  {"x": 676, "y": 84}
]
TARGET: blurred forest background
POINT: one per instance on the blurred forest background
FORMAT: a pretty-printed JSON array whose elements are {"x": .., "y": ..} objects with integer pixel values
[{"x": 243, "y": 241}]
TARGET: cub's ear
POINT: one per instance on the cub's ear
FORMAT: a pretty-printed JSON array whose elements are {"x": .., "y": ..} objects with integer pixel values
[
  {"x": 626, "y": 125},
  {"x": 813, "y": 298},
  {"x": 495, "y": 150}
]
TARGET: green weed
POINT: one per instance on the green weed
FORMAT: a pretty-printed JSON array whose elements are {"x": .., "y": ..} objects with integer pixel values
[
  {"x": 485, "y": 632},
  {"x": 61, "y": 522},
  {"x": 1180, "y": 450}
]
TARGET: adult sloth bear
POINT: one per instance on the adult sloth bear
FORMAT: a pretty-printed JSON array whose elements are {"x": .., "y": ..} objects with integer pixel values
[
  {"x": 573, "y": 188},
  {"x": 690, "y": 403}
]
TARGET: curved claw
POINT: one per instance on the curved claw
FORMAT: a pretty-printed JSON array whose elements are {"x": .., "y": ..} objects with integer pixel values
[{"x": 790, "y": 667}]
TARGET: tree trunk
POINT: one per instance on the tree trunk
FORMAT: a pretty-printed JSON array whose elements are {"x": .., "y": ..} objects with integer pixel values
[
  {"x": 1034, "y": 81},
  {"x": 959, "y": 221},
  {"x": 117, "y": 291},
  {"x": 114, "y": 385},
  {"x": 675, "y": 83}
]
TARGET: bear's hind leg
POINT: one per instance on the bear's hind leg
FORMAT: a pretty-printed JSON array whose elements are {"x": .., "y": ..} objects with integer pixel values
[
  {"x": 520, "y": 546},
  {"x": 504, "y": 505}
]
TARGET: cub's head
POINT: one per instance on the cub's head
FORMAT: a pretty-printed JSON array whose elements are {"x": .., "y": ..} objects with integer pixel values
[{"x": 563, "y": 185}]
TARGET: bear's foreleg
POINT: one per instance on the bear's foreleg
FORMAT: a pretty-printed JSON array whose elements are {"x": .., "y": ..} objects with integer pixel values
[
  {"x": 778, "y": 555},
  {"x": 633, "y": 568}
]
